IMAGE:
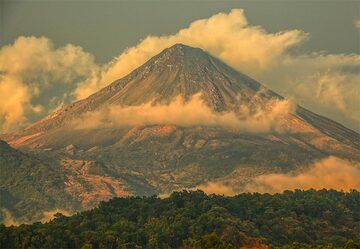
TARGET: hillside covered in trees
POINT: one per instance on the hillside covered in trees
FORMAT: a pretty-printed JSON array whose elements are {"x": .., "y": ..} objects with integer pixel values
[
  {"x": 29, "y": 185},
  {"x": 293, "y": 219}
]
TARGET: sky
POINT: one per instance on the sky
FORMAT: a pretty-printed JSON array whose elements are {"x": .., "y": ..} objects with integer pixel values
[
  {"x": 54, "y": 52},
  {"x": 105, "y": 28}
]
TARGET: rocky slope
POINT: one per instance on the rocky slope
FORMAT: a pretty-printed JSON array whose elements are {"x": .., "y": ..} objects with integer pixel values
[{"x": 32, "y": 188}]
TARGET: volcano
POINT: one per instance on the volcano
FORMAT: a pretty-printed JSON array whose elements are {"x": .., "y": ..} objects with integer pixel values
[
  {"x": 177, "y": 71},
  {"x": 158, "y": 157}
]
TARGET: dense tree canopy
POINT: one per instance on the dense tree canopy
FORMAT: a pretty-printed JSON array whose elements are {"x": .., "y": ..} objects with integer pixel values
[{"x": 293, "y": 219}]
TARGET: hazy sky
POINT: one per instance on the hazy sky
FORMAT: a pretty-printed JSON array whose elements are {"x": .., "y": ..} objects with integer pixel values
[
  {"x": 105, "y": 28},
  {"x": 55, "y": 52}
]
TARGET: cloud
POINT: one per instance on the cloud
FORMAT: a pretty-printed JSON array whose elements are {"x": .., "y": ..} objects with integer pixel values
[
  {"x": 216, "y": 188},
  {"x": 50, "y": 215},
  {"x": 332, "y": 94},
  {"x": 197, "y": 113},
  {"x": 357, "y": 23},
  {"x": 267, "y": 57},
  {"x": 47, "y": 216},
  {"x": 325, "y": 83},
  {"x": 329, "y": 90},
  {"x": 14, "y": 99},
  {"x": 329, "y": 173},
  {"x": 36, "y": 77}
]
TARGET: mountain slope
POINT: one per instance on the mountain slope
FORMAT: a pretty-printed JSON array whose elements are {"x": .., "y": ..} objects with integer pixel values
[
  {"x": 32, "y": 187},
  {"x": 161, "y": 157}
]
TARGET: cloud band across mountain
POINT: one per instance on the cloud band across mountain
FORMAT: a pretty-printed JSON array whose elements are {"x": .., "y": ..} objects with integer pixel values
[{"x": 194, "y": 112}]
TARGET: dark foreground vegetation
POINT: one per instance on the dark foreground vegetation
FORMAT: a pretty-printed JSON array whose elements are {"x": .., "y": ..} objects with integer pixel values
[{"x": 299, "y": 219}]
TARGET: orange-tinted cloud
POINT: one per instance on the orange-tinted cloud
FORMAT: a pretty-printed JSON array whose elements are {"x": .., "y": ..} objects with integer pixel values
[
  {"x": 216, "y": 188},
  {"x": 47, "y": 216},
  {"x": 357, "y": 23},
  {"x": 14, "y": 99},
  {"x": 191, "y": 113},
  {"x": 329, "y": 173},
  {"x": 36, "y": 77}
]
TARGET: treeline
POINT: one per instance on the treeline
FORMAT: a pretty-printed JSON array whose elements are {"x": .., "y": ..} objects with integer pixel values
[{"x": 293, "y": 219}]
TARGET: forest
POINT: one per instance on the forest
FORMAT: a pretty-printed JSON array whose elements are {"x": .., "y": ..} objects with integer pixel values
[{"x": 193, "y": 219}]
